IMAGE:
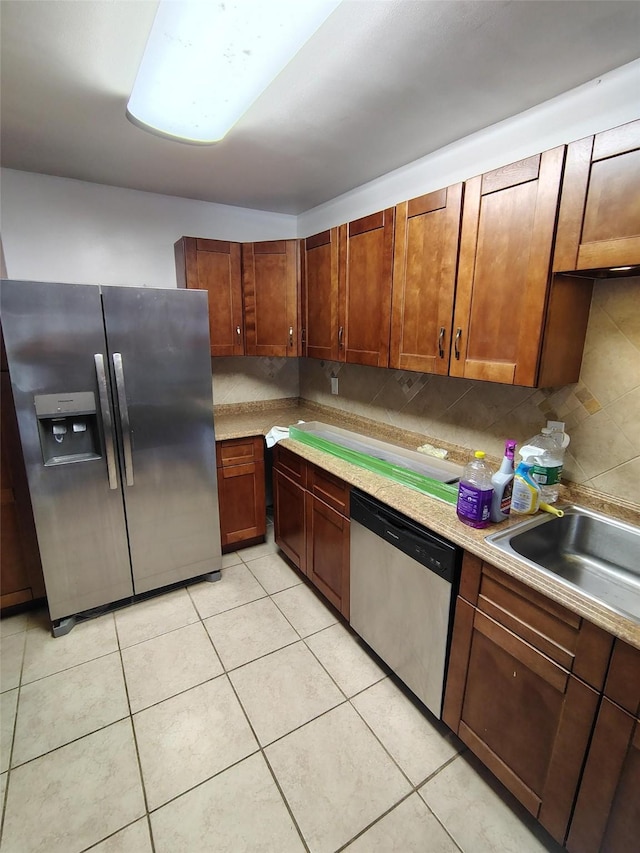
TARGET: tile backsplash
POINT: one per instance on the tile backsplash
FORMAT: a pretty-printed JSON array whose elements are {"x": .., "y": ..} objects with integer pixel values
[
  {"x": 601, "y": 411},
  {"x": 247, "y": 379}
]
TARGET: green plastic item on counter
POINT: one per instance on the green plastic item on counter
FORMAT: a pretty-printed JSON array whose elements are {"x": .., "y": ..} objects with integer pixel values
[{"x": 442, "y": 491}]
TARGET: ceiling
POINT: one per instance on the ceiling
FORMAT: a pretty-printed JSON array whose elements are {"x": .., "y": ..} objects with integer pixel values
[{"x": 382, "y": 83}]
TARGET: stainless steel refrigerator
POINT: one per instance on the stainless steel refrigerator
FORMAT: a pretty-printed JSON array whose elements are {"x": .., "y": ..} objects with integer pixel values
[{"x": 112, "y": 387}]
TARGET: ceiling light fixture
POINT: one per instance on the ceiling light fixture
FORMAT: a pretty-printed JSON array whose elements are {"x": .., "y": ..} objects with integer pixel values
[{"x": 207, "y": 61}]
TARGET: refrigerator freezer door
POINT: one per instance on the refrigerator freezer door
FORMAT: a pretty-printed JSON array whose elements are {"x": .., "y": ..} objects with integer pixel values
[
  {"x": 52, "y": 334},
  {"x": 158, "y": 342}
]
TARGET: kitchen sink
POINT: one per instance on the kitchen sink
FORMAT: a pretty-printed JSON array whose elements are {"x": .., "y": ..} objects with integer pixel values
[{"x": 584, "y": 549}]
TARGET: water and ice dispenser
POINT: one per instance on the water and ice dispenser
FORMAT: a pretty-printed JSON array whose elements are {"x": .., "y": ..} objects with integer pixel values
[{"x": 68, "y": 427}]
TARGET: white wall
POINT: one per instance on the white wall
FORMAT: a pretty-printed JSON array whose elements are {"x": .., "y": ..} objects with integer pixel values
[
  {"x": 606, "y": 102},
  {"x": 57, "y": 229}
]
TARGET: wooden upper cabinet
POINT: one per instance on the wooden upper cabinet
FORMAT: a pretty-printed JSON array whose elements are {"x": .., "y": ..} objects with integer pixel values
[
  {"x": 320, "y": 290},
  {"x": 270, "y": 283},
  {"x": 366, "y": 267},
  {"x": 508, "y": 225},
  {"x": 599, "y": 222},
  {"x": 214, "y": 266},
  {"x": 424, "y": 279}
]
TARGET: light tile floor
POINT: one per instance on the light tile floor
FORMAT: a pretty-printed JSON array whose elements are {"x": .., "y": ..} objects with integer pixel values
[{"x": 236, "y": 716}]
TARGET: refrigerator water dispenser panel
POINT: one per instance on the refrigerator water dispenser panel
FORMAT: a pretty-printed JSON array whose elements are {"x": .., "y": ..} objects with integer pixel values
[{"x": 68, "y": 427}]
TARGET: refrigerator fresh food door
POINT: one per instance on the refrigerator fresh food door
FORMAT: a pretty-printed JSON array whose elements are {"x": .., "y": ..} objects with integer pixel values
[
  {"x": 158, "y": 342},
  {"x": 56, "y": 351}
]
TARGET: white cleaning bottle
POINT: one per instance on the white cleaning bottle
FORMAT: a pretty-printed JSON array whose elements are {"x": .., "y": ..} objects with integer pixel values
[{"x": 502, "y": 482}]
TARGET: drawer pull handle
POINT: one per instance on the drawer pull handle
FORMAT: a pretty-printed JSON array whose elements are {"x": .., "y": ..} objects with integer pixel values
[{"x": 441, "y": 342}]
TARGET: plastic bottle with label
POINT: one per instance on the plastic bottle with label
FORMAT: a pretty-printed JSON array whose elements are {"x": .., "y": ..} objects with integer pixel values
[
  {"x": 525, "y": 498},
  {"x": 502, "y": 482},
  {"x": 547, "y": 467},
  {"x": 475, "y": 492}
]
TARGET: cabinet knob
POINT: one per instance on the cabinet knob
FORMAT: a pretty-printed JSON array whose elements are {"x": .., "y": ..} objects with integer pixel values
[
  {"x": 441, "y": 342},
  {"x": 456, "y": 345}
]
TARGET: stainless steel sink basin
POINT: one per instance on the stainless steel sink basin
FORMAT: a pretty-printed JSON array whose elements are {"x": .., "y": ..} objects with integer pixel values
[{"x": 597, "y": 554}]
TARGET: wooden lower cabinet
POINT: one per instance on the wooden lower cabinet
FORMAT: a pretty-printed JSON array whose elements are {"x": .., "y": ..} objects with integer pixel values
[
  {"x": 607, "y": 812},
  {"x": 513, "y": 695},
  {"x": 311, "y": 522},
  {"x": 241, "y": 492},
  {"x": 289, "y": 518},
  {"x": 327, "y": 550}
]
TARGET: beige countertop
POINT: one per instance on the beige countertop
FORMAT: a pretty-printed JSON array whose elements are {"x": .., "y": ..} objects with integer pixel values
[{"x": 257, "y": 419}]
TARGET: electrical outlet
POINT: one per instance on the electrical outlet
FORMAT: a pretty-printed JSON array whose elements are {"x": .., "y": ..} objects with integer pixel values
[{"x": 334, "y": 384}]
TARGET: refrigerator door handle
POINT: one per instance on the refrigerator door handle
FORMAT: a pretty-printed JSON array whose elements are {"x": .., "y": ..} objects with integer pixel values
[
  {"x": 124, "y": 417},
  {"x": 107, "y": 423}
]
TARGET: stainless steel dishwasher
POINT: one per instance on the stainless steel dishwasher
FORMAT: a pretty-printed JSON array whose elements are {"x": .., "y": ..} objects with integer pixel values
[{"x": 403, "y": 584}]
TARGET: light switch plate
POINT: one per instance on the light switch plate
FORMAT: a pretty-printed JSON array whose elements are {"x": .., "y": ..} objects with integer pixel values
[{"x": 334, "y": 384}]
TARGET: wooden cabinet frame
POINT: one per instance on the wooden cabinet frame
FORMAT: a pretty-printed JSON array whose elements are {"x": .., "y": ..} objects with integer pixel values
[
  {"x": 523, "y": 688},
  {"x": 365, "y": 282},
  {"x": 424, "y": 280},
  {"x": 241, "y": 492},
  {"x": 270, "y": 282},
  {"x": 322, "y": 320},
  {"x": 215, "y": 266},
  {"x": 312, "y": 525},
  {"x": 599, "y": 220}
]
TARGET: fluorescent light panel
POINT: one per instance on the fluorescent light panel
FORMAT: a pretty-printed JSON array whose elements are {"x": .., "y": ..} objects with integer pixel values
[{"x": 207, "y": 61}]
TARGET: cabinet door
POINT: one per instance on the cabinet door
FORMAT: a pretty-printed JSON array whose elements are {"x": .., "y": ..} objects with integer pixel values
[
  {"x": 599, "y": 222},
  {"x": 241, "y": 495},
  {"x": 327, "y": 538},
  {"x": 508, "y": 225},
  {"x": 525, "y": 717},
  {"x": 270, "y": 284},
  {"x": 365, "y": 280},
  {"x": 21, "y": 579},
  {"x": 426, "y": 254},
  {"x": 289, "y": 518},
  {"x": 322, "y": 336},
  {"x": 214, "y": 266},
  {"x": 607, "y": 813},
  {"x": 623, "y": 678}
]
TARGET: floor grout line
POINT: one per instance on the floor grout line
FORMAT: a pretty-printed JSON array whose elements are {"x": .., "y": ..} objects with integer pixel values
[{"x": 227, "y": 672}]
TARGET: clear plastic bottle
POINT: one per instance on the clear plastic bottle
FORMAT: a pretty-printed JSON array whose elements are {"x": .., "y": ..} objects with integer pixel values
[
  {"x": 475, "y": 492},
  {"x": 547, "y": 468}
]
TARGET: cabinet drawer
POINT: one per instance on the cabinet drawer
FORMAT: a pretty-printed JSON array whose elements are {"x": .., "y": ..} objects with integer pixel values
[
  {"x": 563, "y": 636},
  {"x": 294, "y": 466},
  {"x": 623, "y": 679},
  {"x": 239, "y": 451},
  {"x": 332, "y": 490}
]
